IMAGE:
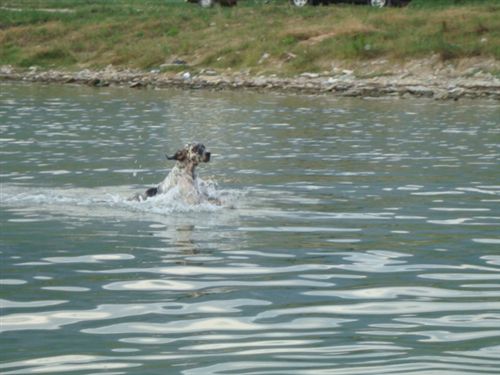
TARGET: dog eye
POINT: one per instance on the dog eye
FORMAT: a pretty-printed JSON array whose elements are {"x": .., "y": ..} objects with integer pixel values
[{"x": 199, "y": 149}]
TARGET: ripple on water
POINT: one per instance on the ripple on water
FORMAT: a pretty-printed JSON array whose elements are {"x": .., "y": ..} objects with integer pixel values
[
  {"x": 96, "y": 258},
  {"x": 349, "y": 243}
]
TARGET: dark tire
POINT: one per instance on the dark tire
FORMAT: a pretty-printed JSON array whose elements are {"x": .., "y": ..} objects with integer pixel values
[{"x": 228, "y": 3}]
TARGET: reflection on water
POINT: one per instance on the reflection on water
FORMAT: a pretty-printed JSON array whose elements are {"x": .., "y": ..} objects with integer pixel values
[{"x": 359, "y": 236}]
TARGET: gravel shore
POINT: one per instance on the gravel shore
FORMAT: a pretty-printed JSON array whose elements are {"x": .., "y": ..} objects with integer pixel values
[{"x": 439, "y": 84}]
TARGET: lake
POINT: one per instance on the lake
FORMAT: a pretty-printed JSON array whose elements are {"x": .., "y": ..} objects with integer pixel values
[{"x": 356, "y": 236}]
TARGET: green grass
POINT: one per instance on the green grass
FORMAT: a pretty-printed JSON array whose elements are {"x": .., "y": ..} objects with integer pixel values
[{"x": 144, "y": 34}]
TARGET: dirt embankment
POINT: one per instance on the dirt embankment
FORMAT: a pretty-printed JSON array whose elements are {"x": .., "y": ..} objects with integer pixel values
[{"x": 430, "y": 78}]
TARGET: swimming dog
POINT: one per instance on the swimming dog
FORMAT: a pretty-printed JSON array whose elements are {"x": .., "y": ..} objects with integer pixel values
[{"x": 183, "y": 176}]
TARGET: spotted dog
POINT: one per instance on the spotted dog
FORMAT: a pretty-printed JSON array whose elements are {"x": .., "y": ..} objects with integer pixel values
[{"x": 183, "y": 176}]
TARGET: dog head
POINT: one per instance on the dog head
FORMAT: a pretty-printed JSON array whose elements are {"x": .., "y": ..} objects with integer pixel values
[{"x": 192, "y": 153}]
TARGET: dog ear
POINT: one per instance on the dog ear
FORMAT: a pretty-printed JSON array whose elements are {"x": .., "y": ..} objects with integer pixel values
[{"x": 180, "y": 155}]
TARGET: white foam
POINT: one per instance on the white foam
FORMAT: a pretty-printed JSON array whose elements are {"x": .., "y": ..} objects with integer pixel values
[
  {"x": 491, "y": 241},
  {"x": 173, "y": 201},
  {"x": 104, "y": 201}
]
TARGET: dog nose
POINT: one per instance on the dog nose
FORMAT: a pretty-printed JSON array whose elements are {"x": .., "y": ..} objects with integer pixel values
[{"x": 207, "y": 156}]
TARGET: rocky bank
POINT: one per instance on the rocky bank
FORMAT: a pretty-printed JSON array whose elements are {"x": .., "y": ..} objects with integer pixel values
[{"x": 373, "y": 79}]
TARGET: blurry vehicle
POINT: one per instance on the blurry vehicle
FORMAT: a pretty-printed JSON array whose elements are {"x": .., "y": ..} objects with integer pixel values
[
  {"x": 302, "y": 3},
  {"x": 373, "y": 3},
  {"x": 210, "y": 3}
]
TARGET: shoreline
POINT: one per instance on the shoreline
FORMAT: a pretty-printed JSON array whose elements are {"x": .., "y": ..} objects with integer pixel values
[{"x": 340, "y": 82}]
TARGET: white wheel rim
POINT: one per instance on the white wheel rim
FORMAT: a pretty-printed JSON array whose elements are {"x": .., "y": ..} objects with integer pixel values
[
  {"x": 378, "y": 3},
  {"x": 299, "y": 3}
]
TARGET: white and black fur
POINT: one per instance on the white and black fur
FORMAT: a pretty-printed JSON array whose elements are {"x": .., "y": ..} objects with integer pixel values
[{"x": 183, "y": 175}]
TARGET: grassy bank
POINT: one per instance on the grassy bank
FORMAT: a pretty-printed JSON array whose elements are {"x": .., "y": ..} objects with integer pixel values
[{"x": 271, "y": 38}]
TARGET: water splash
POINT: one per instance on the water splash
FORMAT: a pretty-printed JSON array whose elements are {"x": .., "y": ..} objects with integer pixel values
[{"x": 112, "y": 200}]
